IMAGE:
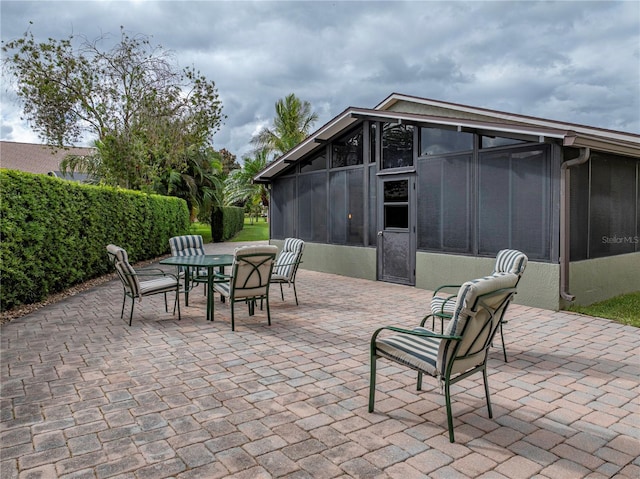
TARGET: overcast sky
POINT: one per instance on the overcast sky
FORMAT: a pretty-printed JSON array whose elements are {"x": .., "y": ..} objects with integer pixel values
[{"x": 571, "y": 61}]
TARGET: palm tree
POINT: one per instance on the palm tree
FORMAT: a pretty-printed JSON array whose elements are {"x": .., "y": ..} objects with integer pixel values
[
  {"x": 291, "y": 125},
  {"x": 239, "y": 186}
]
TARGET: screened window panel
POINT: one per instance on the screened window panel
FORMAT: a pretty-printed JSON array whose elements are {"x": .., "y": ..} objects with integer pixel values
[
  {"x": 373, "y": 219},
  {"x": 444, "y": 204},
  {"x": 579, "y": 205},
  {"x": 346, "y": 214},
  {"x": 613, "y": 203},
  {"x": 283, "y": 208},
  {"x": 347, "y": 151},
  {"x": 397, "y": 146},
  {"x": 514, "y": 202},
  {"x": 312, "y": 207},
  {"x": 436, "y": 141},
  {"x": 315, "y": 163}
]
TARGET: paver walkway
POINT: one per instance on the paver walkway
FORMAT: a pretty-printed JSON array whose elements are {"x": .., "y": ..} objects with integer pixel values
[{"x": 86, "y": 396}]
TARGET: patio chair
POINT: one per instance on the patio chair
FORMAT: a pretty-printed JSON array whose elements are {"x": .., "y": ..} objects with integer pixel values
[
  {"x": 189, "y": 245},
  {"x": 286, "y": 267},
  {"x": 460, "y": 351},
  {"x": 249, "y": 279},
  {"x": 135, "y": 288},
  {"x": 443, "y": 302}
]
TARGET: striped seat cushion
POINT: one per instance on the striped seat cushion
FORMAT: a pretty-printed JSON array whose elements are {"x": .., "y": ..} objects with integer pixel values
[
  {"x": 418, "y": 352},
  {"x": 188, "y": 245},
  {"x": 159, "y": 285},
  {"x": 285, "y": 264},
  {"x": 510, "y": 261},
  {"x": 443, "y": 305},
  {"x": 223, "y": 288}
]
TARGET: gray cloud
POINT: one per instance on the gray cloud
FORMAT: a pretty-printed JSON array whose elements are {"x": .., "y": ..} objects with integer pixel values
[{"x": 570, "y": 61}]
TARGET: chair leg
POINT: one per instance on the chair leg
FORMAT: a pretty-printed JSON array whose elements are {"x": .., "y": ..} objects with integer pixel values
[
  {"x": 486, "y": 391},
  {"x": 233, "y": 325},
  {"x": 447, "y": 396},
  {"x": 133, "y": 302},
  {"x": 177, "y": 303},
  {"x": 504, "y": 349},
  {"x": 419, "y": 381},
  {"x": 124, "y": 300},
  {"x": 295, "y": 293},
  {"x": 268, "y": 312},
  {"x": 281, "y": 292},
  {"x": 372, "y": 382},
  {"x": 166, "y": 306}
]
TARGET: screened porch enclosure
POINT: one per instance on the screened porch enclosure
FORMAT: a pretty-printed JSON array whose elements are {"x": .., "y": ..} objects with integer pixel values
[{"x": 469, "y": 199}]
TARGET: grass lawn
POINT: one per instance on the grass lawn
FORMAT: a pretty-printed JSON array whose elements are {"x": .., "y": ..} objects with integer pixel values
[
  {"x": 251, "y": 232},
  {"x": 624, "y": 309}
]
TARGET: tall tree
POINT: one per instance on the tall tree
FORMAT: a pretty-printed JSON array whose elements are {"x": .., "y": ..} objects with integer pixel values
[
  {"x": 142, "y": 111},
  {"x": 291, "y": 125},
  {"x": 240, "y": 188}
]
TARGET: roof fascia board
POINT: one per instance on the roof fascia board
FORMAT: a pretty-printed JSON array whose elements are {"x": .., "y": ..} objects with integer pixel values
[{"x": 500, "y": 115}]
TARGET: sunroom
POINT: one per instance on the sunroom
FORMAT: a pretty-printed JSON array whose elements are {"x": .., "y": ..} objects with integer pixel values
[{"x": 423, "y": 193}]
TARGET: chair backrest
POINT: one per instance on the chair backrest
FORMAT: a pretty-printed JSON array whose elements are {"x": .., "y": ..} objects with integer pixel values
[
  {"x": 187, "y": 245},
  {"x": 251, "y": 270},
  {"x": 289, "y": 258},
  {"x": 479, "y": 307},
  {"x": 125, "y": 271},
  {"x": 511, "y": 261}
]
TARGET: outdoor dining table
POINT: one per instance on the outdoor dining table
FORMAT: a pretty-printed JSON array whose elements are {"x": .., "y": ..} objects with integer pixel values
[{"x": 209, "y": 261}]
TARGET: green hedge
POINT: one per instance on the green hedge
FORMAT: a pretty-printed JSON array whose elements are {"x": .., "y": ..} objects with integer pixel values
[
  {"x": 233, "y": 221},
  {"x": 54, "y": 232},
  {"x": 225, "y": 222}
]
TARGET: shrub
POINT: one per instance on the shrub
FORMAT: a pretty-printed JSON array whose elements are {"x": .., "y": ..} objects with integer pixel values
[{"x": 54, "y": 232}]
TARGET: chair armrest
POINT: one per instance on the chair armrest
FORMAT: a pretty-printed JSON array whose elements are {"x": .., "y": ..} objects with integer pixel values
[
  {"x": 222, "y": 276},
  {"x": 446, "y": 286},
  {"x": 412, "y": 332}
]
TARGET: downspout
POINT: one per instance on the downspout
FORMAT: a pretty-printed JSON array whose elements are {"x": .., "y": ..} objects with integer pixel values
[{"x": 565, "y": 224}]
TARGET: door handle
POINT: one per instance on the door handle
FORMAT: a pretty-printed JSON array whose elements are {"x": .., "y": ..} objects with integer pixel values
[{"x": 379, "y": 233}]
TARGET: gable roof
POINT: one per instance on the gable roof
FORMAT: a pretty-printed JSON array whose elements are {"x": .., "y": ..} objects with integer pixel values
[
  {"x": 34, "y": 158},
  {"x": 426, "y": 112}
]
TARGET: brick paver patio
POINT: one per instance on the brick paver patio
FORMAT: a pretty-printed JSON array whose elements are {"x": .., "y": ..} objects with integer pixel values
[{"x": 86, "y": 396}]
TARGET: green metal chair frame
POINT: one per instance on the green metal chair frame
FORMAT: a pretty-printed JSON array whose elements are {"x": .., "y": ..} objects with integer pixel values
[
  {"x": 249, "y": 279},
  {"x": 189, "y": 245},
  {"x": 462, "y": 356},
  {"x": 287, "y": 264},
  {"x": 135, "y": 289},
  {"x": 507, "y": 260}
]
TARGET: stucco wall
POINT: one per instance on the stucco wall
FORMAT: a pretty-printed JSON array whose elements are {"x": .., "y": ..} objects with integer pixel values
[
  {"x": 351, "y": 261},
  {"x": 538, "y": 286},
  {"x": 597, "y": 279},
  {"x": 591, "y": 281}
]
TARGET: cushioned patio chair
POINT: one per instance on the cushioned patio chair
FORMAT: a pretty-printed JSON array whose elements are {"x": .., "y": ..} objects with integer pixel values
[
  {"x": 136, "y": 287},
  {"x": 287, "y": 263},
  {"x": 189, "y": 245},
  {"x": 443, "y": 302},
  {"x": 249, "y": 279},
  {"x": 460, "y": 351}
]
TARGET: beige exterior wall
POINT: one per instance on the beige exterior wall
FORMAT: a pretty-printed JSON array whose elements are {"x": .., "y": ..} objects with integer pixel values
[
  {"x": 591, "y": 281},
  {"x": 598, "y": 279},
  {"x": 353, "y": 261},
  {"x": 538, "y": 286}
]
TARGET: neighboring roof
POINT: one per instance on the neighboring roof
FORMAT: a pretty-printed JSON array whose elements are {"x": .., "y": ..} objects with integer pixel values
[
  {"x": 426, "y": 112},
  {"x": 34, "y": 158}
]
